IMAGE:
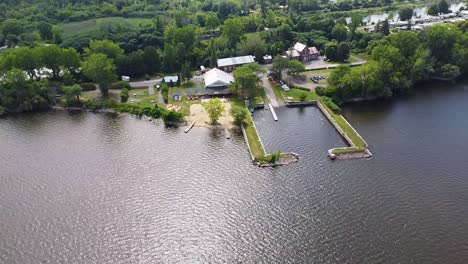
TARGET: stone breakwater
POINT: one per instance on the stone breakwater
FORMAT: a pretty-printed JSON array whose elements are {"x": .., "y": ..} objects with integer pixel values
[{"x": 351, "y": 152}]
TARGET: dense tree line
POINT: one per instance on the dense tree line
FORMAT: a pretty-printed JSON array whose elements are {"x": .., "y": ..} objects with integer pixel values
[{"x": 400, "y": 60}]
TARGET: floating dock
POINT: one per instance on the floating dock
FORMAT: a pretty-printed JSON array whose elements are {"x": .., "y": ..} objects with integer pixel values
[
  {"x": 190, "y": 127},
  {"x": 275, "y": 117}
]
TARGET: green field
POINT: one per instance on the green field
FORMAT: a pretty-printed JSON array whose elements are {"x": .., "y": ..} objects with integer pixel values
[{"x": 93, "y": 24}]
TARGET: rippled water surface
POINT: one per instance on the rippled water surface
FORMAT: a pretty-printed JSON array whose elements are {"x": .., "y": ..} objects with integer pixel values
[{"x": 94, "y": 188}]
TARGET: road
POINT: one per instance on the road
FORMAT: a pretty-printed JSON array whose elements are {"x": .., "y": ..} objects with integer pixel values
[{"x": 270, "y": 94}]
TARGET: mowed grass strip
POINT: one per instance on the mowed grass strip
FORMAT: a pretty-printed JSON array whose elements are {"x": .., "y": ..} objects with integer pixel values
[
  {"x": 253, "y": 139},
  {"x": 349, "y": 131}
]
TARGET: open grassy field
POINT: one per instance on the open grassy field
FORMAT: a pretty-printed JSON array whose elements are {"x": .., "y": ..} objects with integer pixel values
[
  {"x": 296, "y": 94},
  {"x": 93, "y": 24}
]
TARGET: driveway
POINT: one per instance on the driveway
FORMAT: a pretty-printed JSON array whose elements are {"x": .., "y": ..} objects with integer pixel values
[{"x": 270, "y": 94}]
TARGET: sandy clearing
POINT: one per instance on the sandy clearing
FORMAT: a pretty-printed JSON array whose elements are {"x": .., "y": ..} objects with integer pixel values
[{"x": 198, "y": 114}]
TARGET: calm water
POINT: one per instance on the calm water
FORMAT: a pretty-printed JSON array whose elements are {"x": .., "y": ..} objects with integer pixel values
[{"x": 94, "y": 188}]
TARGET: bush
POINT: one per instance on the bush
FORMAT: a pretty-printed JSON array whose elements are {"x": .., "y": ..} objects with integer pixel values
[
  {"x": 94, "y": 105},
  {"x": 170, "y": 116},
  {"x": 165, "y": 93},
  {"x": 119, "y": 85},
  {"x": 88, "y": 86},
  {"x": 320, "y": 90},
  {"x": 2, "y": 110},
  {"x": 136, "y": 109},
  {"x": 331, "y": 105},
  {"x": 124, "y": 95},
  {"x": 239, "y": 114},
  {"x": 302, "y": 97}
]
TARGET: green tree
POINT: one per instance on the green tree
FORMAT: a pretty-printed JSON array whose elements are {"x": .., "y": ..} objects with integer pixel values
[
  {"x": 72, "y": 94},
  {"x": 215, "y": 109},
  {"x": 45, "y": 30},
  {"x": 340, "y": 32},
  {"x": 232, "y": 31},
  {"x": 151, "y": 59},
  {"x": 295, "y": 67},
  {"x": 124, "y": 95},
  {"x": 406, "y": 13},
  {"x": 245, "y": 82},
  {"x": 107, "y": 47},
  {"x": 279, "y": 65},
  {"x": 212, "y": 21},
  {"x": 185, "y": 73},
  {"x": 12, "y": 27},
  {"x": 356, "y": 21},
  {"x": 252, "y": 45},
  {"x": 239, "y": 114},
  {"x": 99, "y": 68},
  {"x": 443, "y": 7},
  {"x": 331, "y": 50},
  {"x": 433, "y": 9},
  {"x": 342, "y": 53}
]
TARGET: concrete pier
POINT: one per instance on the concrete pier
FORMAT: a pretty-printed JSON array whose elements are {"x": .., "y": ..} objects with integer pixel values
[{"x": 275, "y": 117}]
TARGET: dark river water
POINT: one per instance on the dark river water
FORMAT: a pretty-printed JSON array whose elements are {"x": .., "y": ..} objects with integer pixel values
[{"x": 95, "y": 188}]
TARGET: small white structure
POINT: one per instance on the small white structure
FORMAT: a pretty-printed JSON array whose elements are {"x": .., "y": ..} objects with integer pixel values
[
  {"x": 202, "y": 69},
  {"x": 216, "y": 78},
  {"x": 170, "y": 79},
  {"x": 126, "y": 78}
]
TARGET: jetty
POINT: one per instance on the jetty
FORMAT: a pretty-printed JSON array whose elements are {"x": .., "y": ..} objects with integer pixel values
[
  {"x": 275, "y": 117},
  {"x": 190, "y": 127},
  {"x": 226, "y": 131}
]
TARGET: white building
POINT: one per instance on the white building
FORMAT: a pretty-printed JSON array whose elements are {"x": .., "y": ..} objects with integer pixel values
[{"x": 216, "y": 78}]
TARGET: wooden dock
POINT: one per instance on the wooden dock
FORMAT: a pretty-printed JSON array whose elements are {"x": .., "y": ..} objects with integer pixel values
[
  {"x": 275, "y": 117},
  {"x": 190, "y": 127}
]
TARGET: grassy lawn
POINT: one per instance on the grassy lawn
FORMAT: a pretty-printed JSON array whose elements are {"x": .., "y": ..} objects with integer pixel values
[
  {"x": 325, "y": 72},
  {"x": 183, "y": 103},
  {"x": 93, "y": 24},
  {"x": 296, "y": 95}
]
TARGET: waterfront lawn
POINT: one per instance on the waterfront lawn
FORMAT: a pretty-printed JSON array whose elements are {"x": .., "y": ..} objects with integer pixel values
[
  {"x": 297, "y": 93},
  {"x": 184, "y": 104},
  {"x": 294, "y": 93}
]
